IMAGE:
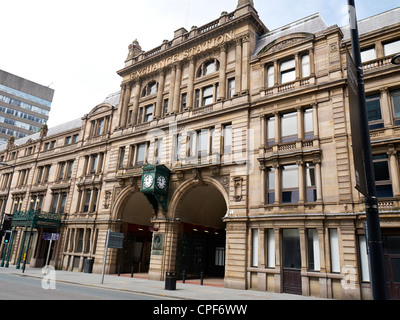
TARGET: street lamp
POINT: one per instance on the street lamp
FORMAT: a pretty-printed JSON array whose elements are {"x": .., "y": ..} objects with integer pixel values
[{"x": 396, "y": 59}]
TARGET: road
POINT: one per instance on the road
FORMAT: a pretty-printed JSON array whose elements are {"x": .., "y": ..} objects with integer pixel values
[{"x": 15, "y": 287}]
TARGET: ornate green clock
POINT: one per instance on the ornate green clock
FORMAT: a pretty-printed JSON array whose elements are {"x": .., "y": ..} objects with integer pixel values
[{"x": 155, "y": 185}]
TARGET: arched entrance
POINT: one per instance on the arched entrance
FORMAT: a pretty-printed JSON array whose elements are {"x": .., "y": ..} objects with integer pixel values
[
  {"x": 135, "y": 213},
  {"x": 201, "y": 240}
]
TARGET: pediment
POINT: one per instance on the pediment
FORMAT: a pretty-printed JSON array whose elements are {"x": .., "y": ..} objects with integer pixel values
[{"x": 286, "y": 42}]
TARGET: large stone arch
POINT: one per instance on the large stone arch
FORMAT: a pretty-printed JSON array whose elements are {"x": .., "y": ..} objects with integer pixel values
[{"x": 187, "y": 186}]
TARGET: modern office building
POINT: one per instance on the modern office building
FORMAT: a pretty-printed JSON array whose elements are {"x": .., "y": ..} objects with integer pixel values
[
  {"x": 24, "y": 106},
  {"x": 227, "y": 152}
]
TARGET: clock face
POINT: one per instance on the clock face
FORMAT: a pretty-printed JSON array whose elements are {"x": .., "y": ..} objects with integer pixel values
[
  {"x": 148, "y": 181},
  {"x": 161, "y": 182}
]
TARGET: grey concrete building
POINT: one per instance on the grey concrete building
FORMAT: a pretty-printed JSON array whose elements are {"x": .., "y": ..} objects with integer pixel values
[{"x": 24, "y": 106}]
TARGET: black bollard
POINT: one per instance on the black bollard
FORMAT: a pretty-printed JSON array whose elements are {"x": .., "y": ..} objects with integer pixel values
[
  {"x": 132, "y": 272},
  {"x": 201, "y": 278},
  {"x": 183, "y": 276},
  {"x": 119, "y": 270}
]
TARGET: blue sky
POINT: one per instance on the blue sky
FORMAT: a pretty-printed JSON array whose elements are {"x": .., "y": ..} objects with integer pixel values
[{"x": 76, "y": 47}]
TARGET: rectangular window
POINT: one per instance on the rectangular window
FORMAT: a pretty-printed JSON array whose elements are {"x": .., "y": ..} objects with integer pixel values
[
  {"x": 270, "y": 245},
  {"x": 288, "y": 71},
  {"x": 183, "y": 101},
  {"x": 289, "y": 127},
  {"x": 271, "y": 131},
  {"x": 392, "y": 48},
  {"x": 86, "y": 204},
  {"x": 148, "y": 116},
  {"x": 254, "y": 247},
  {"x": 62, "y": 171},
  {"x": 220, "y": 256},
  {"x": 374, "y": 112},
  {"x": 383, "y": 181},
  {"x": 334, "y": 247},
  {"x": 311, "y": 189},
  {"x": 54, "y": 203},
  {"x": 141, "y": 154},
  {"x": 75, "y": 138},
  {"x": 270, "y": 76},
  {"x": 305, "y": 66},
  {"x": 178, "y": 145},
  {"x": 368, "y": 54},
  {"x": 100, "y": 127},
  {"x": 308, "y": 124},
  {"x": 314, "y": 263},
  {"x": 362, "y": 241},
  {"x": 271, "y": 185},
  {"x": 165, "y": 108},
  {"x": 208, "y": 96},
  {"x": 70, "y": 166},
  {"x": 62, "y": 202},
  {"x": 158, "y": 150},
  {"x": 290, "y": 184},
  {"x": 94, "y": 162},
  {"x": 231, "y": 88},
  {"x": 121, "y": 157},
  {"x": 197, "y": 98},
  {"x": 202, "y": 143},
  {"x": 227, "y": 136},
  {"x": 395, "y": 95},
  {"x": 68, "y": 140}
]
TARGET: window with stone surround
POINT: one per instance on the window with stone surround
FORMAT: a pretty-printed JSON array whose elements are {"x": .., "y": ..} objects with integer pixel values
[
  {"x": 208, "y": 67},
  {"x": 383, "y": 181},
  {"x": 374, "y": 112},
  {"x": 149, "y": 89}
]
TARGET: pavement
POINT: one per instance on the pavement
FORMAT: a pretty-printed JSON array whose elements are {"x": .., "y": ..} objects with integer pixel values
[{"x": 138, "y": 284}]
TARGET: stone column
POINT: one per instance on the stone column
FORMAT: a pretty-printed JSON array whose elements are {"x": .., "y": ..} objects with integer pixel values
[
  {"x": 125, "y": 105},
  {"x": 177, "y": 89},
  {"x": 300, "y": 124},
  {"x": 385, "y": 107},
  {"x": 159, "y": 104},
  {"x": 302, "y": 184},
  {"x": 318, "y": 179},
  {"x": 245, "y": 63},
  {"x": 315, "y": 121},
  {"x": 263, "y": 134},
  {"x": 394, "y": 170},
  {"x": 262, "y": 184},
  {"x": 190, "y": 92},
  {"x": 278, "y": 183},
  {"x": 312, "y": 62},
  {"x": 222, "y": 73},
  {"x": 238, "y": 67},
  {"x": 277, "y": 127},
  {"x": 121, "y": 104},
  {"x": 172, "y": 89},
  {"x": 135, "y": 108}
]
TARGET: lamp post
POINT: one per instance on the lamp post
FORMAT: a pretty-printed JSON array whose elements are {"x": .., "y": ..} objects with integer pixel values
[
  {"x": 374, "y": 240},
  {"x": 396, "y": 59}
]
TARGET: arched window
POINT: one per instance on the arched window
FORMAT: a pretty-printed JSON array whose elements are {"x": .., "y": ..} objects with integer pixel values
[
  {"x": 208, "y": 67},
  {"x": 149, "y": 89}
]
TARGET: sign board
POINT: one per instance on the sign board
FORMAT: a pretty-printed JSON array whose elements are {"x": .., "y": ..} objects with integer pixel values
[
  {"x": 51, "y": 236},
  {"x": 116, "y": 240},
  {"x": 158, "y": 242},
  {"x": 355, "y": 121}
]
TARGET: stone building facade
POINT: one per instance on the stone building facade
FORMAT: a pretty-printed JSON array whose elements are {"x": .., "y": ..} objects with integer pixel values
[{"x": 253, "y": 127}]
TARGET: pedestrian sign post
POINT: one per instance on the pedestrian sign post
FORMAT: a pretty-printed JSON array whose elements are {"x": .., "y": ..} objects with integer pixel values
[
  {"x": 114, "y": 240},
  {"x": 50, "y": 237}
]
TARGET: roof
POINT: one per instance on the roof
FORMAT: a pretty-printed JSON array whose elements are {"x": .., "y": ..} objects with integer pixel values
[
  {"x": 74, "y": 124},
  {"x": 310, "y": 24},
  {"x": 377, "y": 22}
]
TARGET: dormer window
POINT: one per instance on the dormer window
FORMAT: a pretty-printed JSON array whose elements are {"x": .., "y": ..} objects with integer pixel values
[
  {"x": 208, "y": 68},
  {"x": 149, "y": 89}
]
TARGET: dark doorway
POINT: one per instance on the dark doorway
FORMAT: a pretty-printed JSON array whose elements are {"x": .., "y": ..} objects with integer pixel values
[
  {"x": 291, "y": 259},
  {"x": 391, "y": 247},
  {"x": 136, "y": 251},
  {"x": 201, "y": 249}
]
